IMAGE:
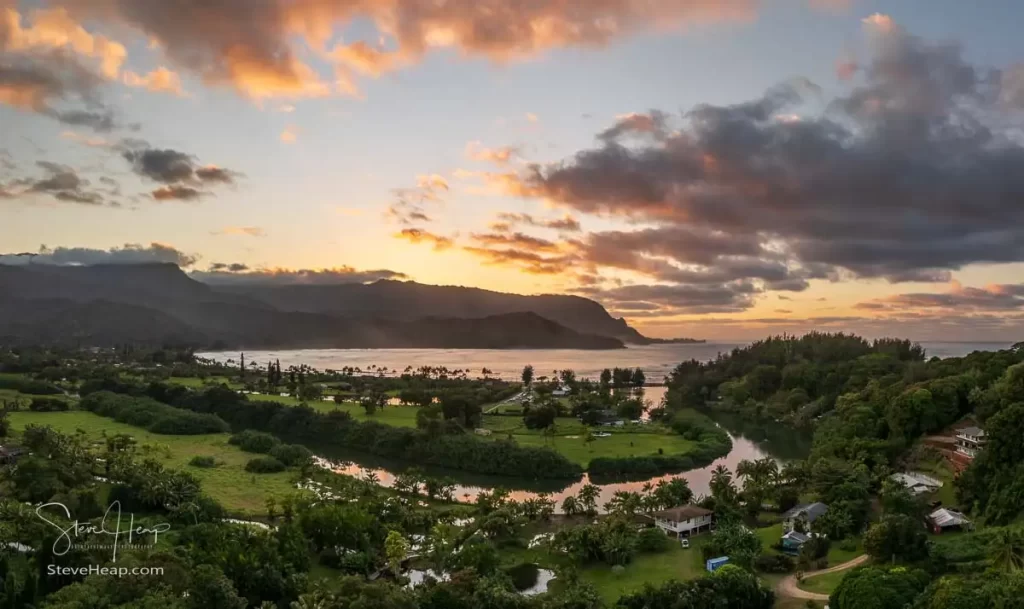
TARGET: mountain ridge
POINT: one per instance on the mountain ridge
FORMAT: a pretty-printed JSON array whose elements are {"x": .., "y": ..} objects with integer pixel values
[{"x": 100, "y": 304}]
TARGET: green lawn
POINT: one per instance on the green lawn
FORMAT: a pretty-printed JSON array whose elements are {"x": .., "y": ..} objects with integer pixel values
[
  {"x": 195, "y": 383},
  {"x": 837, "y": 556},
  {"x": 399, "y": 416},
  {"x": 229, "y": 483},
  {"x": 823, "y": 584},
  {"x": 655, "y": 569},
  {"x": 769, "y": 537},
  {"x": 628, "y": 441}
]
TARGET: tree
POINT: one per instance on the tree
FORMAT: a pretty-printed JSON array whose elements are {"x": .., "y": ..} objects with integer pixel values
[
  {"x": 639, "y": 379},
  {"x": 605, "y": 382},
  {"x": 541, "y": 416},
  {"x": 878, "y": 588},
  {"x": 588, "y": 498},
  {"x": 588, "y": 439},
  {"x": 395, "y": 549},
  {"x": 896, "y": 537},
  {"x": 527, "y": 375},
  {"x": 571, "y": 506},
  {"x": 1006, "y": 549}
]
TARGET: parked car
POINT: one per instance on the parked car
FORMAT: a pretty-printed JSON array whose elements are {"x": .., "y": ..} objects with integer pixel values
[{"x": 685, "y": 543}]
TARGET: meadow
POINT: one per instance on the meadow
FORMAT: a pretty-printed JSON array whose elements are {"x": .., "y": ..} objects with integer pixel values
[{"x": 238, "y": 491}]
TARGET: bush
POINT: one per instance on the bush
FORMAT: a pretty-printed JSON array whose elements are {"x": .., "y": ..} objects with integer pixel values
[
  {"x": 254, "y": 441},
  {"x": 203, "y": 461},
  {"x": 774, "y": 563},
  {"x": 523, "y": 576},
  {"x": 152, "y": 415},
  {"x": 291, "y": 455},
  {"x": 652, "y": 540},
  {"x": 30, "y": 386},
  {"x": 48, "y": 405},
  {"x": 264, "y": 465}
]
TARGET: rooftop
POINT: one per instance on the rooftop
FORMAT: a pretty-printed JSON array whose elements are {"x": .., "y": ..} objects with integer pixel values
[
  {"x": 944, "y": 517},
  {"x": 810, "y": 511},
  {"x": 972, "y": 431},
  {"x": 683, "y": 512},
  {"x": 916, "y": 479}
]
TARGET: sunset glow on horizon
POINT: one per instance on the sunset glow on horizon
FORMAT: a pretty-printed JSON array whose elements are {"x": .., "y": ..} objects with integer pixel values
[{"x": 714, "y": 169}]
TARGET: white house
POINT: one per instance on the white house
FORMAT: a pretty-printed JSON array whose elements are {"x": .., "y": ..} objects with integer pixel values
[
  {"x": 969, "y": 441},
  {"x": 684, "y": 520},
  {"x": 946, "y": 519},
  {"x": 917, "y": 482}
]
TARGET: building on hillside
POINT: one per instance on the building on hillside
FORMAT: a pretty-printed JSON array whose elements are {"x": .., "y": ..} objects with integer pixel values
[
  {"x": 969, "y": 441},
  {"x": 945, "y": 519},
  {"x": 917, "y": 482},
  {"x": 684, "y": 520},
  {"x": 802, "y": 517}
]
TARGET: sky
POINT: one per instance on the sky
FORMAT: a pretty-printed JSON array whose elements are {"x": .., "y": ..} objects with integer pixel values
[{"x": 721, "y": 169}]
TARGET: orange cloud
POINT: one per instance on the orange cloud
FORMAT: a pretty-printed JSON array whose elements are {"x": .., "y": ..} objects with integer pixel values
[
  {"x": 55, "y": 29},
  {"x": 242, "y": 231},
  {"x": 498, "y": 156},
  {"x": 160, "y": 80},
  {"x": 418, "y": 235}
]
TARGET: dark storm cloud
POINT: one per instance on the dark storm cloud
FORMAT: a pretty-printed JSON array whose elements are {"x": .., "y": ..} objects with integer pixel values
[
  {"x": 332, "y": 276},
  {"x": 911, "y": 174},
  {"x": 167, "y": 166},
  {"x": 130, "y": 253},
  {"x": 234, "y": 267}
]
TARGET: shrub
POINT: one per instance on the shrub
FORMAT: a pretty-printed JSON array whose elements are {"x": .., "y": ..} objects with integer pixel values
[
  {"x": 523, "y": 576},
  {"x": 48, "y": 405},
  {"x": 264, "y": 465},
  {"x": 203, "y": 461},
  {"x": 254, "y": 441},
  {"x": 291, "y": 454},
  {"x": 652, "y": 540},
  {"x": 774, "y": 563},
  {"x": 152, "y": 415},
  {"x": 30, "y": 386}
]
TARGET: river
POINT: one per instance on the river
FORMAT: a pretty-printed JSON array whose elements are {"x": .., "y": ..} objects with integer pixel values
[
  {"x": 655, "y": 360},
  {"x": 749, "y": 440}
]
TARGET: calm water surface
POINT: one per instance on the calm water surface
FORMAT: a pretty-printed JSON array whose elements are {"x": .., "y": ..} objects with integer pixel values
[
  {"x": 655, "y": 360},
  {"x": 750, "y": 440}
]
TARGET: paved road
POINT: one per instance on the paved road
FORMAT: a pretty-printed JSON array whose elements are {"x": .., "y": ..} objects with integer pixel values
[{"x": 788, "y": 587}]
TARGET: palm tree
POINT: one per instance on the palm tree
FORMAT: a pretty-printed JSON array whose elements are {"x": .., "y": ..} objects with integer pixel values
[
  {"x": 570, "y": 506},
  {"x": 1007, "y": 550},
  {"x": 372, "y": 477},
  {"x": 588, "y": 498}
]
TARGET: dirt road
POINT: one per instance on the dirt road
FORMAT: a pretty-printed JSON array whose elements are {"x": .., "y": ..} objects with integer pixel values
[{"x": 788, "y": 587}]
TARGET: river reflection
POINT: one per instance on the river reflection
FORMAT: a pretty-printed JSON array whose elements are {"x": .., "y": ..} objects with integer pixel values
[{"x": 748, "y": 442}]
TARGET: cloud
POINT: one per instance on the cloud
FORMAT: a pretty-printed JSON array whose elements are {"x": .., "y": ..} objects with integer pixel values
[
  {"x": 279, "y": 276},
  {"x": 130, "y": 253},
  {"x": 410, "y": 205},
  {"x": 59, "y": 182},
  {"x": 54, "y": 29},
  {"x": 160, "y": 80},
  {"x": 958, "y": 299},
  {"x": 532, "y": 118},
  {"x": 498, "y": 156},
  {"x": 911, "y": 173},
  {"x": 262, "y": 55},
  {"x": 235, "y": 267},
  {"x": 179, "y": 173},
  {"x": 418, "y": 235},
  {"x": 176, "y": 192},
  {"x": 289, "y": 134},
  {"x": 508, "y": 220},
  {"x": 247, "y": 231},
  {"x": 44, "y": 68}
]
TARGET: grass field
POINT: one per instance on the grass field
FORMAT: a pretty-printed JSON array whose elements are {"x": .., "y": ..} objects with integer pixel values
[
  {"x": 629, "y": 441},
  {"x": 823, "y": 584},
  {"x": 229, "y": 483},
  {"x": 655, "y": 569},
  {"x": 399, "y": 416}
]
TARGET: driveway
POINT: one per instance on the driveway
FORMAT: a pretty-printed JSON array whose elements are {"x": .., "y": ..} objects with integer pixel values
[{"x": 788, "y": 587}]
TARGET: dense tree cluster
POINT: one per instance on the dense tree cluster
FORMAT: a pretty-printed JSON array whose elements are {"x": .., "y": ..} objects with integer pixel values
[{"x": 152, "y": 415}]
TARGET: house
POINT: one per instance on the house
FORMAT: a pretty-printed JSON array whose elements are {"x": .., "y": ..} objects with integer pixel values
[
  {"x": 802, "y": 517},
  {"x": 945, "y": 519},
  {"x": 10, "y": 454},
  {"x": 917, "y": 482},
  {"x": 684, "y": 520},
  {"x": 560, "y": 392},
  {"x": 793, "y": 540},
  {"x": 969, "y": 441}
]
